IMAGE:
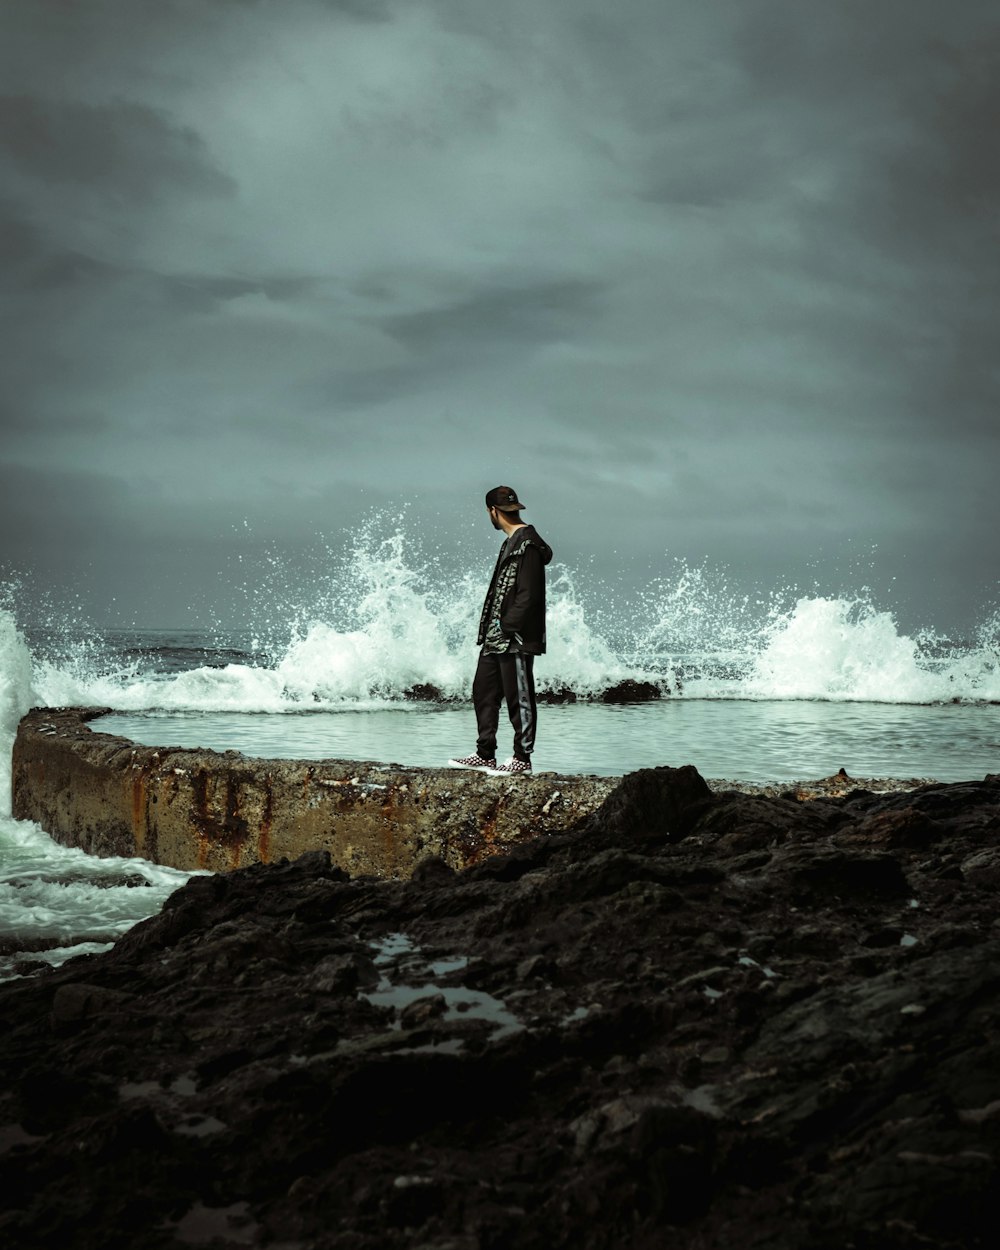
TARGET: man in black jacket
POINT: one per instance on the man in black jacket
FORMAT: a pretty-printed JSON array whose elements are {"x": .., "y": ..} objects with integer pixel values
[{"x": 511, "y": 634}]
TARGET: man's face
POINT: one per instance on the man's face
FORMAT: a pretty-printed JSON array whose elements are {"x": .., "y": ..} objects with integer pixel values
[{"x": 494, "y": 520}]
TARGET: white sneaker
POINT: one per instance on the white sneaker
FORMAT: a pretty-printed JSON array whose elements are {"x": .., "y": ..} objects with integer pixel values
[
  {"x": 475, "y": 763},
  {"x": 513, "y": 768}
]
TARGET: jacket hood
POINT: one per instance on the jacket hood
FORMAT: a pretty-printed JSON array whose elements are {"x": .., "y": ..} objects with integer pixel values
[{"x": 528, "y": 534}]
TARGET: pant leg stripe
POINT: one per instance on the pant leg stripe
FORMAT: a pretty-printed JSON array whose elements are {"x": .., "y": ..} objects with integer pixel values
[{"x": 525, "y": 705}]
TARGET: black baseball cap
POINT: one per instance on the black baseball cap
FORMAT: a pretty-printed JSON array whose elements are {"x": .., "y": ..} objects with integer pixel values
[{"x": 504, "y": 498}]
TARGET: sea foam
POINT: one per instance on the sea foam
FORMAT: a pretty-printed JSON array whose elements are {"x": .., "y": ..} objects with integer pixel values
[
  {"x": 386, "y": 620},
  {"x": 16, "y": 694},
  {"x": 57, "y": 902}
]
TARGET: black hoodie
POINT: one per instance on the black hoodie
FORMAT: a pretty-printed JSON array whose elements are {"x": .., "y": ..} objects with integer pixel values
[{"x": 517, "y": 617}]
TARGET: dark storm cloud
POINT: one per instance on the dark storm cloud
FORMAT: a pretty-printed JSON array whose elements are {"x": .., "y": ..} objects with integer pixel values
[
  {"x": 30, "y": 260},
  {"x": 943, "y": 214},
  {"x": 730, "y": 269},
  {"x": 364, "y": 388},
  {"x": 362, "y": 10},
  {"x": 526, "y": 315},
  {"x": 920, "y": 184},
  {"x": 18, "y": 238},
  {"x": 207, "y": 292},
  {"x": 43, "y": 504},
  {"x": 24, "y": 421},
  {"x": 123, "y": 146},
  {"x": 456, "y": 339}
]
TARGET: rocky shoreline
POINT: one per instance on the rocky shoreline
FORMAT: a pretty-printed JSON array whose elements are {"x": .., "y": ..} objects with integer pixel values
[{"x": 701, "y": 1019}]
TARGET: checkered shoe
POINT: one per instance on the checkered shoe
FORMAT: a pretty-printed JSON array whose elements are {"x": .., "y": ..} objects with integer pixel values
[
  {"x": 475, "y": 762},
  {"x": 513, "y": 767}
]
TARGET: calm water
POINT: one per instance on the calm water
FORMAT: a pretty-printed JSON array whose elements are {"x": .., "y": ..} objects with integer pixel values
[{"x": 739, "y": 740}]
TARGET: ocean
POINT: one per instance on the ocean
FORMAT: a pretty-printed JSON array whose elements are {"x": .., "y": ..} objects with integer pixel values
[{"x": 378, "y": 666}]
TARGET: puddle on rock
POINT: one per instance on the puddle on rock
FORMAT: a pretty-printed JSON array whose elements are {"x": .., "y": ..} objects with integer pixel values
[
  {"x": 201, "y": 1225},
  {"x": 184, "y": 1086},
  {"x": 407, "y": 977},
  {"x": 203, "y": 1127}
]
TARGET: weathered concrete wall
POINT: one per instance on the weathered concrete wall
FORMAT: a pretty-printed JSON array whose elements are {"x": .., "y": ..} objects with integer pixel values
[{"x": 201, "y": 809}]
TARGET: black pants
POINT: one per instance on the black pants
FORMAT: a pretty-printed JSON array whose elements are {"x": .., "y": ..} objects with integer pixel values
[{"x": 505, "y": 678}]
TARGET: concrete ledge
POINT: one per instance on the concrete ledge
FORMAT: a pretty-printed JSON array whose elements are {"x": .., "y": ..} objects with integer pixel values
[{"x": 191, "y": 808}]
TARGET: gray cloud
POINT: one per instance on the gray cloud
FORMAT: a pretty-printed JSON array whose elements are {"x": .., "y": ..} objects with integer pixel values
[
  {"x": 729, "y": 269},
  {"x": 125, "y": 147}
]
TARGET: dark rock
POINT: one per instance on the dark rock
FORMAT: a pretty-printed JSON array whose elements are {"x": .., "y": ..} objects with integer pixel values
[
  {"x": 535, "y": 966},
  {"x": 341, "y": 974},
  {"x": 412, "y": 1200},
  {"x": 905, "y": 827},
  {"x": 420, "y": 1012},
  {"x": 982, "y": 869},
  {"x": 432, "y": 868},
  {"x": 653, "y": 803},
  {"x": 743, "y": 824},
  {"x": 631, "y": 691},
  {"x": 812, "y": 871},
  {"x": 77, "y": 1001},
  {"x": 562, "y": 695},
  {"x": 696, "y": 1020},
  {"x": 424, "y": 692}
]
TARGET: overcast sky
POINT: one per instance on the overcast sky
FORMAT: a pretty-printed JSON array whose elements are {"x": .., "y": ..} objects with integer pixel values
[{"x": 716, "y": 280}]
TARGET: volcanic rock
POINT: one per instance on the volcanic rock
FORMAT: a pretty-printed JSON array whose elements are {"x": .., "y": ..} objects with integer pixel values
[
  {"x": 631, "y": 691},
  {"x": 698, "y": 1020}
]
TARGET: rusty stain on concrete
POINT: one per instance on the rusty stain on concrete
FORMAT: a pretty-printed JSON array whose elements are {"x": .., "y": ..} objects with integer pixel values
[
  {"x": 204, "y": 809},
  {"x": 264, "y": 832}
]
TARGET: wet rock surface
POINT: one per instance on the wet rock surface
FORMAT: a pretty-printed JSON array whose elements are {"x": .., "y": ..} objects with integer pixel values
[{"x": 700, "y": 1020}]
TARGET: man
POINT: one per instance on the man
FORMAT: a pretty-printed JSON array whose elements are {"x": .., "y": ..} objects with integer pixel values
[{"x": 511, "y": 634}]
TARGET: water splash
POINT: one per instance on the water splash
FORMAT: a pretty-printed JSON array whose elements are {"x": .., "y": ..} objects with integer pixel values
[
  {"x": 16, "y": 694},
  {"x": 57, "y": 902},
  {"x": 843, "y": 649},
  {"x": 385, "y": 616}
]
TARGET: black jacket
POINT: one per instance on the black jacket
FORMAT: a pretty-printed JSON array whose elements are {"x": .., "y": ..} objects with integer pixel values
[{"x": 522, "y": 610}]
